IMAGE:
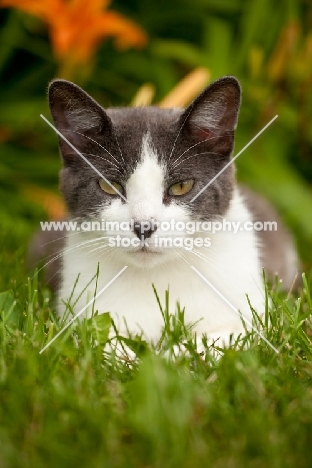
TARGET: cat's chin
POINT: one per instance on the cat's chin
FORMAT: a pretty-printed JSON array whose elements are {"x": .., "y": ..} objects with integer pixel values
[{"x": 146, "y": 258}]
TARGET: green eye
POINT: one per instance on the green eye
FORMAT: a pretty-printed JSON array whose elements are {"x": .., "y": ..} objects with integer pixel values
[
  {"x": 181, "y": 188},
  {"x": 107, "y": 188}
]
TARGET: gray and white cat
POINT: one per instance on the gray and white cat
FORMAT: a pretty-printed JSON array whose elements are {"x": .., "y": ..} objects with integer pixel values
[{"x": 155, "y": 161}]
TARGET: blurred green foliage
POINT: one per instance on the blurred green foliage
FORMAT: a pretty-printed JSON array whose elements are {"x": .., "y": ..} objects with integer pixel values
[{"x": 267, "y": 44}]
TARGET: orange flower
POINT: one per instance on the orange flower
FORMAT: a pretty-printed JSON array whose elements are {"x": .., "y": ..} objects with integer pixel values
[{"x": 76, "y": 27}]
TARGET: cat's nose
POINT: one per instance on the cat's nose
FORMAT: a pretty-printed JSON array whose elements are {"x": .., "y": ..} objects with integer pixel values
[{"x": 144, "y": 229}]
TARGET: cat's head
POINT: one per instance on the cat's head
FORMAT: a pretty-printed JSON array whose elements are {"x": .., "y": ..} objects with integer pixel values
[{"x": 146, "y": 164}]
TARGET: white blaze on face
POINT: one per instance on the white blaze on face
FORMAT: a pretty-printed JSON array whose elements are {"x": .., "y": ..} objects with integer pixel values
[
  {"x": 145, "y": 187},
  {"x": 145, "y": 192}
]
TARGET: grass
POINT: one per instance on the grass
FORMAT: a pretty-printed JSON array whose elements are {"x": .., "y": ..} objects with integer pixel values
[{"x": 74, "y": 405}]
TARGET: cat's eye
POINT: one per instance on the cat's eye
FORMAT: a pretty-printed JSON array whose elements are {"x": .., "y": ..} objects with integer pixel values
[
  {"x": 181, "y": 188},
  {"x": 107, "y": 188}
]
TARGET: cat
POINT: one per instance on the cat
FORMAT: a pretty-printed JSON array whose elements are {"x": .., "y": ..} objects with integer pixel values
[{"x": 148, "y": 167}]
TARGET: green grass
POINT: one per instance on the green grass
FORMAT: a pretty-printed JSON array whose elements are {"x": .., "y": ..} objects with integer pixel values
[{"x": 72, "y": 405}]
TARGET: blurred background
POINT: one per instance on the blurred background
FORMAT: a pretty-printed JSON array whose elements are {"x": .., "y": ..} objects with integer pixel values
[{"x": 112, "y": 49}]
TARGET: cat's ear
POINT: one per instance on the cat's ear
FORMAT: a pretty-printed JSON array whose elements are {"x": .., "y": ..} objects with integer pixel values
[
  {"x": 214, "y": 112},
  {"x": 77, "y": 116}
]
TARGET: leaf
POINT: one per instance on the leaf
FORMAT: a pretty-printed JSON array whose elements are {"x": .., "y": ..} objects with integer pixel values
[
  {"x": 137, "y": 345},
  {"x": 218, "y": 50},
  {"x": 284, "y": 49},
  {"x": 183, "y": 52},
  {"x": 10, "y": 35},
  {"x": 10, "y": 309},
  {"x": 99, "y": 327},
  {"x": 187, "y": 89},
  {"x": 143, "y": 97}
]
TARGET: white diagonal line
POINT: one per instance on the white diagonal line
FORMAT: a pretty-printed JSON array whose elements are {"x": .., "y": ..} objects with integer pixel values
[
  {"x": 83, "y": 309},
  {"x": 233, "y": 159},
  {"x": 235, "y": 310},
  {"x": 83, "y": 157}
]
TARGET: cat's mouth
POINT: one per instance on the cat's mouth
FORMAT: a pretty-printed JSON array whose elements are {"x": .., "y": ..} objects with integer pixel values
[
  {"x": 146, "y": 247},
  {"x": 144, "y": 257},
  {"x": 147, "y": 250}
]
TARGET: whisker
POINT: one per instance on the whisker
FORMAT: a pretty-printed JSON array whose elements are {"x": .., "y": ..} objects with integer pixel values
[
  {"x": 96, "y": 142},
  {"x": 197, "y": 154},
  {"x": 105, "y": 249},
  {"x": 189, "y": 157},
  {"x": 65, "y": 250},
  {"x": 121, "y": 155},
  {"x": 181, "y": 257},
  {"x": 204, "y": 258},
  {"x": 102, "y": 248},
  {"x": 101, "y": 157},
  {"x": 178, "y": 134},
  {"x": 68, "y": 233},
  {"x": 193, "y": 146}
]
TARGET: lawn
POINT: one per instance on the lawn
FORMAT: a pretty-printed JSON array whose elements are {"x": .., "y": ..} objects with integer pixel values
[{"x": 73, "y": 405}]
